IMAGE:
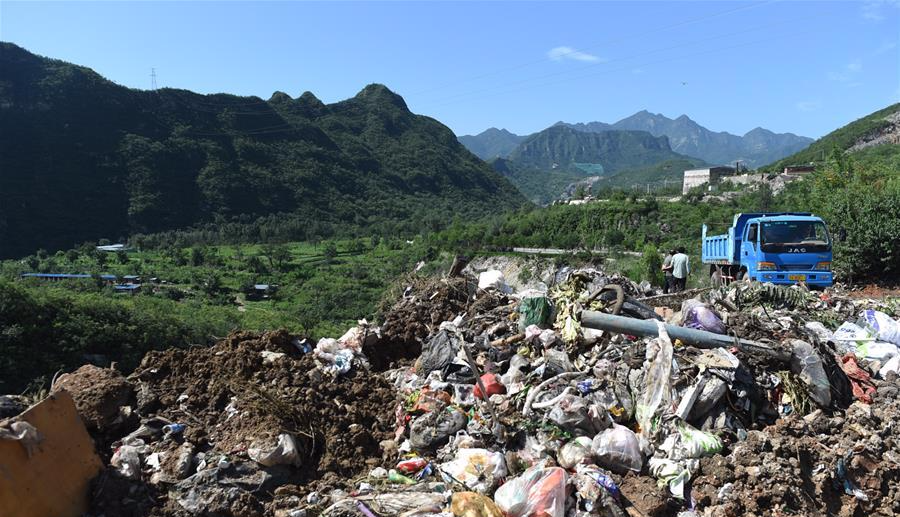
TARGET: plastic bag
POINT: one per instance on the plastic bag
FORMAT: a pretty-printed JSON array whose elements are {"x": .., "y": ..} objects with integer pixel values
[
  {"x": 471, "y": 504},
  {"x": 435, "y": 428},
  {"x": 806, "y": 363},
  {"x": 574, "y": 415},
  {"x": 493, "y": 279},
  {"x": 892, "y": 365},
  {"x": 437, "y": 353},
  {"x": 127, "y": 460},
  {"x": 338, "y": 357},
  {"x": 690, "y": 443},
  {"x": 618, "y": 449},
  {"x": 884, "y": 327},
  {"x": 538, "y": 492},
  {"x": 814, "y": 328},
  {"x": 676, "y": 474},
  {"x": 849, "y": 335},
  {"x": 479, "y": 469},
  {"x": 876, "y": 350},
  {"x": 658, "y": 380},
  {"x": 575, "y": 452},
  {"x": 283, "y": 452},
  {"x": 697, "y": 315},
  {"x": 534, "y": 311}
]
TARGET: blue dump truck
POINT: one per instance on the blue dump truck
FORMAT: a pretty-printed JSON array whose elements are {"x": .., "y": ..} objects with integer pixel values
[{"x": 781, "y": 248}]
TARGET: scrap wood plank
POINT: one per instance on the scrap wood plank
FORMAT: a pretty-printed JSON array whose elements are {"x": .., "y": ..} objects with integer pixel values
[{"x": 55, "y": 480}]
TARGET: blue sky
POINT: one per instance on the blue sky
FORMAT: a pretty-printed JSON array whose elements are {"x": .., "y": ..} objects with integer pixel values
[{"x": 802, "y": 67}]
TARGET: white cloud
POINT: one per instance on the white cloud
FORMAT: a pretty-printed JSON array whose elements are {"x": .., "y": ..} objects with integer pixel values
[
  {"x": 874, "y": 10},
  {"x": 847, "y": 74},
  {"x": 887, "y": 46},
  {"x": 808, "y": 105},
  {"x": 560, "y": 53}
]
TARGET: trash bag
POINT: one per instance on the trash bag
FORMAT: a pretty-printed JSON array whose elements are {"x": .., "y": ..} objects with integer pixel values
[
  {"x": 806, "y": 363},
  {"x": 282, "y": 452},
  {"x": 697, "y": 315},
  {"x": 892, "y": 365},
  {"x": 438, "y": 353},
  {"x": 849, "y": 335},
  {"x": 884, "y": 327},
  {"x": 480, "y": 470},
  {"x": 691, "y": 443},
  {"x": 127, "y": 460},
  {"x": 657, "y": 382},
  {"x": 433, "y": 429},
  {"x": 338, "y": 357},
  {"x": 493, "y": 279},
  {"x": 573, "y": 414},
  {"x": 471, "y": 504},
  {"x": 538, "y": 492},
  {"x": 534, "y": 311},
  {"x": 618, "y": 449},
  {"x": 575, "y": 452}
]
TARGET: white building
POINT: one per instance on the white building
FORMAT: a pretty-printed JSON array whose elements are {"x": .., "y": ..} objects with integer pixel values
[{"x": 709, "y": 175}]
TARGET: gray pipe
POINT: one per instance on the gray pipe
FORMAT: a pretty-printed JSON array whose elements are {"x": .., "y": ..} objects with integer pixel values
[{"x": 698, "y": 338}]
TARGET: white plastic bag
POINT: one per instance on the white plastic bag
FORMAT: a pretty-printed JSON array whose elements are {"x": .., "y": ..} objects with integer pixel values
[
  {"x": 885, "y": 327},
  {"x": 575, "y": 452},
  {"x": 892, "y": 365},
  {"x": 539, "y": 492},
  {"x": 493, "y": 279},
  {"x": 658, "y": 380},
  {"x": 284, "y": 451},
  {"x": 479, "y": 469},
  {"x": 618, "y": 449}
]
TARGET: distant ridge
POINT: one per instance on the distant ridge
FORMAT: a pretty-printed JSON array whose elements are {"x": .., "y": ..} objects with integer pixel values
[{"x": 757, "y": 147}]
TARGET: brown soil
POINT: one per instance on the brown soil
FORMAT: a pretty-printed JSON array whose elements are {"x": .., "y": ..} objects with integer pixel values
[
  {"x": 337, "y": 423},
  {"x": 98, "y": 394},
  {"x": 644, "y": 495}
]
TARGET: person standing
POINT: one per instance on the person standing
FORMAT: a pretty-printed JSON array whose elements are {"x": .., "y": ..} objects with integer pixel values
[
  {"x": 667, "y": 271},
  {"x": 681, "y": 268}
]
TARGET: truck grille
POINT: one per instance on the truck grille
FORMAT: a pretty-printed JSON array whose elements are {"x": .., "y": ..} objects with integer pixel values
[{"x": 795, "y": 267}]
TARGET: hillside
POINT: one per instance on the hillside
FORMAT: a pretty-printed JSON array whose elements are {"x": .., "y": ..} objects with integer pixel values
[
  {"x": 874, "y": 138},
  {"x": 545, "y": 163},
  {"x": 491, "y": 143},
  {"x": 84, "y": 158}
]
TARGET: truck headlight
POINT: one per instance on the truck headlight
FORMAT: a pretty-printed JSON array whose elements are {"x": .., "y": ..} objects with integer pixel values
[
  {"x": 765, "y": 266},
  {"x": 823, "y": 266}
]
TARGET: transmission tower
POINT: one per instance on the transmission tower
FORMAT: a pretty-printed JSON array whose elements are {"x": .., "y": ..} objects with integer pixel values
[{"x": 152, "y": 78}]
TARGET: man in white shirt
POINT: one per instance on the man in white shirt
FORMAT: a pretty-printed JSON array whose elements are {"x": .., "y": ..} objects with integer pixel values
[{"x": 681, "y": 268}]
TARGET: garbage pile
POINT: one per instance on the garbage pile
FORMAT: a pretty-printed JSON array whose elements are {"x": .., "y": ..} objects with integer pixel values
[{"x": 471, "y": 400}]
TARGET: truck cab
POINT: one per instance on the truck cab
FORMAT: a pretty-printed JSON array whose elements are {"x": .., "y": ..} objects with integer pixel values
[{"x": 781, "y": 248}]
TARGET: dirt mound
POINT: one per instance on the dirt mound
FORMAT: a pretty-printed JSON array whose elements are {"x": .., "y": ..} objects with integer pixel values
[
  {"x": 246, "y": 391},
  {"x": 98, "y": 394},
  {"x": 420, "y": 311},
  {"x": 807, "y": 465}
]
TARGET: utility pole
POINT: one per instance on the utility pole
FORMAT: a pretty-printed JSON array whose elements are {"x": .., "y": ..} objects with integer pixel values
[{"x": 152, "y": 78}]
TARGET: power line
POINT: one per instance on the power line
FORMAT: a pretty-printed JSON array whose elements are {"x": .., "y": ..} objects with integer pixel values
[{"x": 153, "y": 79}]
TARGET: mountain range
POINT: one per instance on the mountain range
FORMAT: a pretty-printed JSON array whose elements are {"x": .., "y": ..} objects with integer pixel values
[
  {"x": 84, "y": 158},
  {"x": 756, "y": 148},
  {"x": 545, "y": 163}
]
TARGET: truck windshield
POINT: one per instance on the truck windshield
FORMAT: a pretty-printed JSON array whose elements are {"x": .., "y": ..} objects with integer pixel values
[{"x": 803, "y": 236}]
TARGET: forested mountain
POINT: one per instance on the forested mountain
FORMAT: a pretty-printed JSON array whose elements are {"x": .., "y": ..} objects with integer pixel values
[
  {"x": 546, "y": 162},
  {"x": 491, "y": 143},
  {"x": 756, "y": 148},
  {"x": 82, "y": 158},
  {"x": 873, "y": 139}
]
